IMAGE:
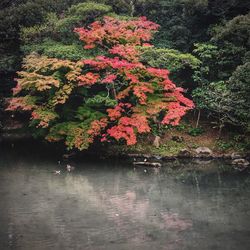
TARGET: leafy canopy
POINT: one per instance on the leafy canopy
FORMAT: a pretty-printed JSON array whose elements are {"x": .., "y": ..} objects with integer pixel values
[{"x": 111, "y": 96}]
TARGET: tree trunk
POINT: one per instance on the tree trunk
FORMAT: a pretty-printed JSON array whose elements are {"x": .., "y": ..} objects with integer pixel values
[{"x": 198, "y": 118}]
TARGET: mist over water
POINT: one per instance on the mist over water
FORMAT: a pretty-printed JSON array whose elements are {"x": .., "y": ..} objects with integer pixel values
[{"x": 111, "y": 205}]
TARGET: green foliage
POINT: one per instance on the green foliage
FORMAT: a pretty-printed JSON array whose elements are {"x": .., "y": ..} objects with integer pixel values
[
  {"x": 195, "y": 131},
  {"x": 171, "y": 59},
  {"x": 228, "y": 101},
  {"x": 89, "y": 10},
  {"x": 60, "y": 27},
  {"x": 181, "y": 65},
  {"x": 73, "y": 133},
  {"x": 185, "y": 22},
  {"x": 223, "y": 145},
  {"x": 87, "y": 114},
  {"x": 58, "y": 50},
  {"x": 26, "y": 13},
  {"x": 181, "y": 127},
  {"x": 99, "y": 100},
  {"x": 239, "y": 87},
  {"x": 8, "y": 62},
  {"x": 55, "y": 37},
  {"x": 207, "y": 53},
  {"x": 158, "y": 129},
  {"x": 236, "y": 142},
  {"x": 215, "y": 98},
  {"x": 169, "y": 148},
  {"x": 36, "y": 33},
  {"x": 223, "y": 77},
  {"x": 236, "y": 31},
  {"x": 31, "y": 21}
]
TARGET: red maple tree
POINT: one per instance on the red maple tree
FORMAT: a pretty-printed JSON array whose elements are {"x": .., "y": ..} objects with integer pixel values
[{"x": 154, "y": 91}]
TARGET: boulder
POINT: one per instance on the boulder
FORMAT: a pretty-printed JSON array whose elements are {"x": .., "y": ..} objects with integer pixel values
[
  {"x": 241, "y": 162},
  {"x": 185, "y": 153},
  {"x": 235, "y": 155},
  {"x": 156, "y": 142},
  {"x": 203, "y": 152}
]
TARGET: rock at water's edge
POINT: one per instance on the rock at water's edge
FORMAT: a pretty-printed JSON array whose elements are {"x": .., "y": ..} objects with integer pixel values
[
  {"x": 185, "y": 153},
  {"x": 203, "y": 151},
  {"x": 241, "y": 162}
]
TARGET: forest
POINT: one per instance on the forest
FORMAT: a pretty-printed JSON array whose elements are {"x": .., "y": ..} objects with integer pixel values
[{"x": 175, "y": 73}]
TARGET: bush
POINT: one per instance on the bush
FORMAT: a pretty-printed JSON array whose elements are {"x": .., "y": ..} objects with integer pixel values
[{"x": 195, "y": 131}]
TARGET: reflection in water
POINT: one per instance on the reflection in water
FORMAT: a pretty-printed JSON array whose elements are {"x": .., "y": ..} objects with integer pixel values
[{"x": 104, "y": 206}]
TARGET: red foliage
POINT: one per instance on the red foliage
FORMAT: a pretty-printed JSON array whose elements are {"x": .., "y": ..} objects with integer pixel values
[
  {"x": 21, "y": 103},
  {"x": 131, "y": 77},
  {"x": 113, "y": 31},
  {"x": 137, "y": 121},
  {"x": 17, "y": 89},
  {"x": 126, "y": 51},
  {"x": 174, "y": 114},
  {"x": 123, "y": 132},
  {"x": 141, "y": 90},
  {"x": 109, "y": 78},
  {"x": 96, "y": 127},
  {"x": 102, "y": 62},
  {"x": 88, "y": 79},
  {"x": 160, "y": 73},
  {"x": 127, "y": 128},
  {"x": 117, "y": 111},
  {"x": 121, "y": 38}
]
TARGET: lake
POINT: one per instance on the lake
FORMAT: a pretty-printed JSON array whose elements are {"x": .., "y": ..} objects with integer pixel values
[{"x": 112, "y": 205}]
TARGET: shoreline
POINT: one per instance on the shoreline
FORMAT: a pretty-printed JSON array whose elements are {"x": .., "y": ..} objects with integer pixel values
[{"x": 111, "y": 153}]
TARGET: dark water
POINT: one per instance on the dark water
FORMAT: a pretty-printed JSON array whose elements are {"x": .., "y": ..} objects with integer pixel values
[{"x": 111, "y": 205}]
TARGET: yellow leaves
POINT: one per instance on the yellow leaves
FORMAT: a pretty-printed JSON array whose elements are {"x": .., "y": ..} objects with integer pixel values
[
  {"x": 74, "y": 133},
  {"x": 62, "y": 95},
  {"x": 25, "y": 103},
  {"x": 153, "y": 108},
  {"x": 80, "y": 139},
  {"x": 34, "y": 80},
  {"x": 45, "y": 74},
  {"x": 44, "y": 116},
  {"x": 37, "y": 63},
  {"x": 67, "y": 89},
  {"x": 124, "y": 93},
  {"x": 72, "y": 76},
  {"x": 157, "y": 105}
]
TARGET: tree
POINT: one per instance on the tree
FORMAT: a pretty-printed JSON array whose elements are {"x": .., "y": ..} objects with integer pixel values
[
  {"x": 110, "y": 96},
  {"x": 15, "y": 16},
  {"x": 55, "y": 37},
  {"x": 224, "y": 58},
  {"x": 239, "y": 87}
]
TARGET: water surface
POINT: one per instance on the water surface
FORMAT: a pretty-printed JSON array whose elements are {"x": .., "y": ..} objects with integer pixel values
[{"x": 111, "y": 205}]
